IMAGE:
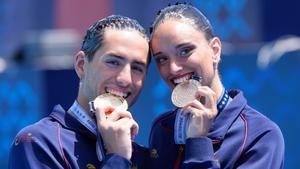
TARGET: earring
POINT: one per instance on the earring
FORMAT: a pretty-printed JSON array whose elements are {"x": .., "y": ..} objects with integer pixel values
[{"x": 215, "y": 66}]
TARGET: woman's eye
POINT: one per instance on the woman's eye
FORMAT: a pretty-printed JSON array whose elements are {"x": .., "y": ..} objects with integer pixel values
[
  {"x": 184, "y": 52},
  {"x": 160, "y": 60}
]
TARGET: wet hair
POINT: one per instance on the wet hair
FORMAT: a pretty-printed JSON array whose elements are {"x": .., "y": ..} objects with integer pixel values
[
  {"x": 185, "y": 12},
  {"x": 93, "y": 39}
]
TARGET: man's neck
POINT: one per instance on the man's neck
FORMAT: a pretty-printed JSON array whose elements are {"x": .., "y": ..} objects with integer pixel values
[{"x": 84, "y": 105}]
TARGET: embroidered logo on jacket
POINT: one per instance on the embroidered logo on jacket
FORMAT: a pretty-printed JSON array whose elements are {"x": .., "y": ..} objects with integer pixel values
[
  {"x": 90, "y": 166},
  {"x": 24, "y": 138},
  {"x": 153, "y": 153}
]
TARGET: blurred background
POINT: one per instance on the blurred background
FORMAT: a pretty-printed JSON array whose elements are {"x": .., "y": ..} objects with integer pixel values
[{"x": 261, "y": 56}]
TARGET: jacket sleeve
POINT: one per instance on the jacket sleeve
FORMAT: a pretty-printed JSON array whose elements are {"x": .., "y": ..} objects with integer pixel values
[
  {"x": 114, "y": 161},
  {"x": 27, "y": 152},
  {"x": 266, "y": 151},
  {"x": 199, "y": 153},
  {"x": 140, "y": 158}
]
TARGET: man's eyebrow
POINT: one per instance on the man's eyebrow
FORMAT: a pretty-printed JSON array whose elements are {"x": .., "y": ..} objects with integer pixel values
[
  {"x": 140, "y": 63},
  {"x": 116, "y": 56},
  {"x": 124, "y": 58}
]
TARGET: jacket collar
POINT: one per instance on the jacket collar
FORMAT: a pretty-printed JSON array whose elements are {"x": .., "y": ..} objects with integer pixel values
[
  {"x": 226, "y": 118},
  {"x": 68, "y": 121}
]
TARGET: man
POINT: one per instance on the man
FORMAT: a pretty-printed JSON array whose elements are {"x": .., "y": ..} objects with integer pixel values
[{"x": 113, "y": 59}]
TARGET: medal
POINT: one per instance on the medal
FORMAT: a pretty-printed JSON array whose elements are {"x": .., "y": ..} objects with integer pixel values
[
  {"x": 184, "y": 93},
  {"x": 111, "y": 100},
  {"x": 108, "y": 99}
]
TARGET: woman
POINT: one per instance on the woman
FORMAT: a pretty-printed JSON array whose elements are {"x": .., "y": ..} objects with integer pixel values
[{"x": 223, "y": 131}]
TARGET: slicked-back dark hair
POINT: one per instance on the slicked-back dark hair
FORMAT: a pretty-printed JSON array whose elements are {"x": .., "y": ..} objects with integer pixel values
[
  {"x": 187, "y": 12},
  {"x": 93, "y": 39}
]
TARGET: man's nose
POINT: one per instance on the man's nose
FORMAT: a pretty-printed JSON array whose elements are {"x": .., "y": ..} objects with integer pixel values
[{"x": 124, "y": 77}]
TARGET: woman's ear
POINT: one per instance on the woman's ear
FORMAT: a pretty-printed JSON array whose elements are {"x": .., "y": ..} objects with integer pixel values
[
  {"x": 79, "y": 61},
  {"x": 216, "y": 47}
]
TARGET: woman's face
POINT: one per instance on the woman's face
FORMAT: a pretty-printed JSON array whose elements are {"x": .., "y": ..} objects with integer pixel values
[{"x": 180, "y": 51}]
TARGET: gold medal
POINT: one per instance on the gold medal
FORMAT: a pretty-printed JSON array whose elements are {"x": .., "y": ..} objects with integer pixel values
[
  {"x": 184, "y": 93},
  {"x": 111, "y": 100}
]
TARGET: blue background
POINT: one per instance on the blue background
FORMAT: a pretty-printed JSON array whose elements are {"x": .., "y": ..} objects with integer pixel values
[{"x": 28, "y": 93}]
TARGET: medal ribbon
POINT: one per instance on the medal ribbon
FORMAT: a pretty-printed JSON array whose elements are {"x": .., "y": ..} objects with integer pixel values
[
  {"x": 223, "y": 101},
  {"x": 182, "y": 121},
  {"x": 78, "y": 113},
  {"x": 180, "y": 127}
]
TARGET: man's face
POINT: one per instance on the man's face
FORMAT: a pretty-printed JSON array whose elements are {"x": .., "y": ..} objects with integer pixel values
[
  {"x": 181, "y": 51},
  {"x": 118, "y": 67}
]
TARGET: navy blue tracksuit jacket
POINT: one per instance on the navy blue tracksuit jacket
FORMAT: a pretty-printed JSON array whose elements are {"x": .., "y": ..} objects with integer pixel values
[
  {"x": 240, "y": 137},
  {"x": 61, "y": 141}
]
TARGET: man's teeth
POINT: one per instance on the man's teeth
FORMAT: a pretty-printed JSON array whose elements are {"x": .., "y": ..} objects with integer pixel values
[
  {"x": 182, "y": 79},
  {"x": 118, "y": 93}
]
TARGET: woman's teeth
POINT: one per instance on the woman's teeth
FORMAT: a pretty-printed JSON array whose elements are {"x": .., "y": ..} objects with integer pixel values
[{"x": 182, "y": 79}]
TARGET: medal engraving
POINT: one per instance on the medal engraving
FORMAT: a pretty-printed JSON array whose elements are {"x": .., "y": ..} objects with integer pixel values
[
  {"x": 108, "y": 99},
  {"x": 184, "y": 93}
]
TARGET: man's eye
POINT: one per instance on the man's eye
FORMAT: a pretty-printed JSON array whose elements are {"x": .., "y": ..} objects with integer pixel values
[
  {"x": 138, "y": 69},
  {"x": 113, "y": 62}
]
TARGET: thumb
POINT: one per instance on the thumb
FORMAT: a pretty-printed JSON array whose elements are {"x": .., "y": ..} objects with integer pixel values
[{"x": 134, "y": 129}]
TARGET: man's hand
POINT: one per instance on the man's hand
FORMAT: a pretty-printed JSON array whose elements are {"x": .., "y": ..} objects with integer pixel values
[{"x": 117, "y": 130}]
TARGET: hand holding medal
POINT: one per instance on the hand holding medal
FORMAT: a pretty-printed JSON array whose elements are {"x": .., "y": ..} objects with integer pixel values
[
  {"x": 115, "y": 124},
  {"x": 184, "y": 93},
  {"x": 108, "y": 100}
]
